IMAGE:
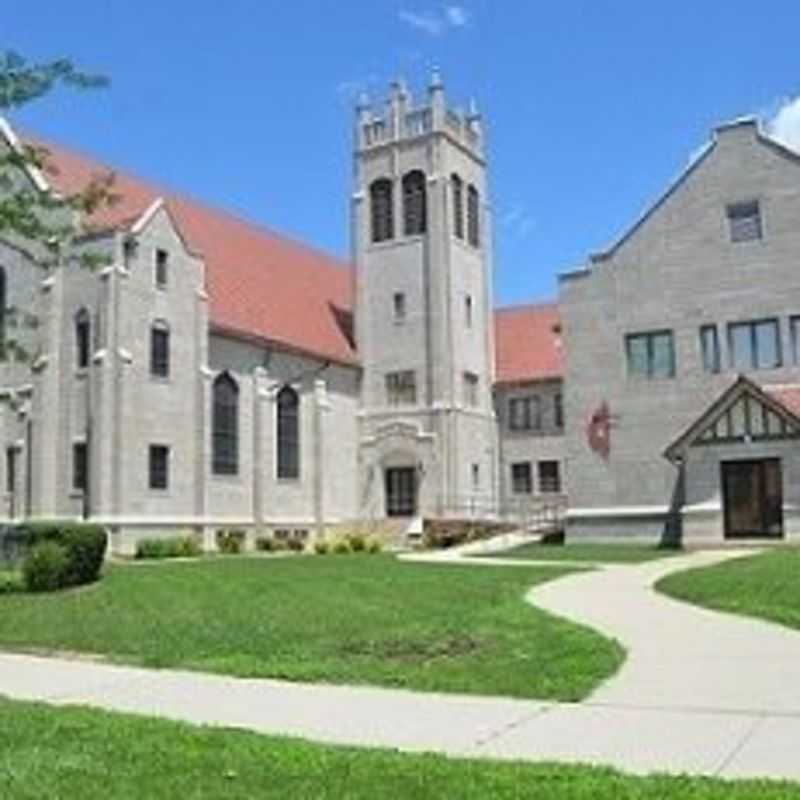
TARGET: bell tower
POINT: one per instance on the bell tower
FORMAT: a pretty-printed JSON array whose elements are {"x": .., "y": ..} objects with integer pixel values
[{"x": 421, "y": 233}]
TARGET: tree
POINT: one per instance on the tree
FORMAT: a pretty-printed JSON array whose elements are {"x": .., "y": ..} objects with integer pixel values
[{"x": 46, "y": 221}]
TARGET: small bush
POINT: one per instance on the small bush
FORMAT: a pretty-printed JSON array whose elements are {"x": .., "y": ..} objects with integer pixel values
[
  {"x": 46, "y": 567},
  {"x": 296, "y": 544},
  {"x": 170, "y": 547},
  {"x": 230, "y": 541},
  {"x": 341, "y": 547},
  {"x": 374, "y": 546},
  {"x": 358, "y": 544},
  {"x": 266, "y": 544},
  {"x": 322, "y": 547},
  {"x": 11, "y": 582}
]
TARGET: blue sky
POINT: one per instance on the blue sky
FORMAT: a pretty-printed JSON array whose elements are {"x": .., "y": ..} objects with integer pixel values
[{"x": 591, "y": 107}]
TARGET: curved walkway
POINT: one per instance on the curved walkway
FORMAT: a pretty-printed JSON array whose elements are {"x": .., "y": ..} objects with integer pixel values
[{"x": 701, "y": 692}]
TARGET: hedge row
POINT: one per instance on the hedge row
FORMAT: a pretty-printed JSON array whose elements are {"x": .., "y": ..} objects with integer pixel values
[{"x": 61, "y": 554}]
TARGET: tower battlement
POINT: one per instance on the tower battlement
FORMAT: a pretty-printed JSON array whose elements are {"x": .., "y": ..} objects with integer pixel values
[{"x": 401, "y": 119}]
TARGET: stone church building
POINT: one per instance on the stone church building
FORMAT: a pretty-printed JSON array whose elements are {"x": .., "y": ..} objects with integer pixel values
[{"x": 214, "y": 374}]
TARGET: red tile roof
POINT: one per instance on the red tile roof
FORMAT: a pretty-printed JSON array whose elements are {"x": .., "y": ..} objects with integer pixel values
[
  {"x": 787, "y": 395},
  {"x": 260, "y": 284},
  {"x": 528, "y": 343},
  {"x": 265, "y": 286}
]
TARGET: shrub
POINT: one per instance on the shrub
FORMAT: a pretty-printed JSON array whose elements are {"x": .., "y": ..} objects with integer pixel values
[
  {"x": 10, "y": 582},
  {"x": 266, "y": 544},
  {"x": 46, "y": 567},
  {"x": 374, "y": 546},
  {"x": 358, "y": 544},
  {"x": 322, "y": 547},
  {"x": 296, "y": 544},
  {"x": 341, "y": 547},
  {"x": 169, "y": 547},
  {"x": 84, "y": 545},
  {"x": 230, "y": 541}
]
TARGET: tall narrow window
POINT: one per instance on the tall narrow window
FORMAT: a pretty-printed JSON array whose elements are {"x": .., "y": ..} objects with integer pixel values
[
  {"x": 525, "y": 413},
  {"x": 382, "y": 210},
  {"x": 558, "y": 410},
  {"x": 288, "y": 433},
  {"x": 473, "y": 217},
  {"x": 158, "y": 466},
  {"x": 794, "y": 326},
  {"x": 468, "y": 310},
  {"x": 521, "y": 478},
  {"x": 159, "y": 349},
  {"x": 458, "y": 206},
  {"x": 470, "y": 389},
  {"x": 225, "y": 426},
  {"x": 162, "y": 269},
  {"x": 709, "y": 344},
  {"x": 414, "y": 204},
  {"x": 83, "y": 338},
  {"x": 3, "y": 312},
  {"x": 79, "y": 466},
  {"x": 549, "y": 477},
  {"x": 399, "y": 307}
]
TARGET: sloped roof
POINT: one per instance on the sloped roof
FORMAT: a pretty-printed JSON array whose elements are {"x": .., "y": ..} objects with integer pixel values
[
  {"x": 528, "y": 343},
  {"x": 261, "y": 285},
  {"x": 788, "y": 395}
]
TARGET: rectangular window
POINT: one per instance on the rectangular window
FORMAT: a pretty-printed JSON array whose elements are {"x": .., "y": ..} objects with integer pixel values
[
  {"x": 162, "y": 268},
  {"x": 158, "y": 468},
  {"x": 744, "y": 221},
  {"x": 159, "y": 351},
  {"x": 709, "y": 345},
  {"x": 650, "y": 355},
  {"x": 794, "y": 326},
  {"x": 549, "y": 477},
  {"x": 470, "y": 389},
  {"x": 525, "y": 413},
  {"x": 11, "y": 470},
  {"x": 558, "y": 410},
  {"x": 401, "y": 388},
  {"x": 521, "y": 478},
  {"x": 399, "y": 307},
  {"x": 468, "y": 310},
  {"x": 79, "y": 466},
  {"x": 754, "y": 345},
  {"x": 476, "y": 476}
]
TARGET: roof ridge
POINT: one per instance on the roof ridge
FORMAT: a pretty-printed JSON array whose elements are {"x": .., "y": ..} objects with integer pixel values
[{"x": 534, "y": 306}]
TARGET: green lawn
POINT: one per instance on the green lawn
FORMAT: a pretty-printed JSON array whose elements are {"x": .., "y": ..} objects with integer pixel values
[
  {"x": 80, "y": 753},
  {"x": 339, "y": 619},
  {"x": 589, "y": 552},
  {"x": 764, "y": 585}
]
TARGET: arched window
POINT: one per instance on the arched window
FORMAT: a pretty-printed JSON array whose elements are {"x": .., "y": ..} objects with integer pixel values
[
  {"x": 458, "y": 206},
  {"x": 3, "y": 310},
  {"x": 473, "y": 217},
  {"x": 382, "y": 210},
  {"x": 225, "y": 426},
  {"x": 288, "y": 433},
  {"x": 414, "y": 203},
  {"x": 159, "y": 349},
  {"x": 83, "y": 338}
]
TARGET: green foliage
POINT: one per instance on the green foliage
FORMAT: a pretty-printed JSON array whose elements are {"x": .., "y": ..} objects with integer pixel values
[
  {"x": 296, "y": 544},
  {"x": 170, "y": 547},
  {"x": 10, "y": 581},
  {"x": 588, "y": 552},
  {"x": 231, "y": 541},
  {"x": 341, "y": 547},
  {"x": 322, "y": 547},
  {"x": 268, "y": 544},
  {"x": 442, "y": 534},
  {"x": 357, "y": 542},
  {"x": 45, "y": 567},
  {"x": 374, "y": 546},
  {"x": 84, "y": 545}
]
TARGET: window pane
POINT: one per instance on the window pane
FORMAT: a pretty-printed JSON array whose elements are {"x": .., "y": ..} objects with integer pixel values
[
  {"x": 288, "y": 433},
  {"x": 741, "y": 344},
  {"x": 709, "y": 342},
  {"x": 663, "y": 357},
  {"x": 745, "y": 221},
  {"x": 768, "y": 351},
  {"x": 637, "y": 356},
  {"x": 795, "y": 328},
  {"x": 521, "y": 479},
  {"x": 549, "y": 477}
]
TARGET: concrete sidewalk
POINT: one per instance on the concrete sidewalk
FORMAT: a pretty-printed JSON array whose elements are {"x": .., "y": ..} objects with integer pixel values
[{"x": 701, "y": 692}]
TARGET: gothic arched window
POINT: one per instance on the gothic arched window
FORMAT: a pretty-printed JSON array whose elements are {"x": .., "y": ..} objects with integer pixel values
[
  {"x": 288, "y": 433},
  {"x": 382, "y": 210},
  {"x": 83, "y": 338},
  {"x": 225, "y": 426},
  {"x": 457, "y": 186},
  {"x": 159, "y": 349},
  {"x": 415, "y": 210},
  {"x": 473, "y": 217}
]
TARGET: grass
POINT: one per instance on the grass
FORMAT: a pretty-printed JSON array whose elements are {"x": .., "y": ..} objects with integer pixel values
[
  {"x": 94, "y": 755},
  {"x": 355, "y": 619},
  {"x": 610, "y": 553},
  {"x": 763, "y": 585}
]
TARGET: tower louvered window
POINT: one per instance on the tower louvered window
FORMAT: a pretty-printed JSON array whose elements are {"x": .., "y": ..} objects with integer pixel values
[
  {"x": 458, "y": 206},
  {"x": 414, "y": 204},
  {"x": 473, "y": 217},
  {"x": 381, "y": 209},
  {"x": 225, "y": 426}
]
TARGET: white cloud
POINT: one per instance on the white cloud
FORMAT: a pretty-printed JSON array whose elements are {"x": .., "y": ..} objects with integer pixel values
[
  {"x": 437, "y": 22},
  {"x": 518, "y": 221},
  {"x": 784, "y": 125}
]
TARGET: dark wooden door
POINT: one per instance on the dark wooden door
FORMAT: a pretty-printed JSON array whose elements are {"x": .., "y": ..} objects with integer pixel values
[
  {"x": 401, "y": 492},
  {"x": 753, "y": 498}
]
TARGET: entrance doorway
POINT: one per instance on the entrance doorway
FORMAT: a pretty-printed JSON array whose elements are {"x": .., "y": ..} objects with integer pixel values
[
  {"x": 752, "y": 494},
  {"x": 401, "y": 491}
]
